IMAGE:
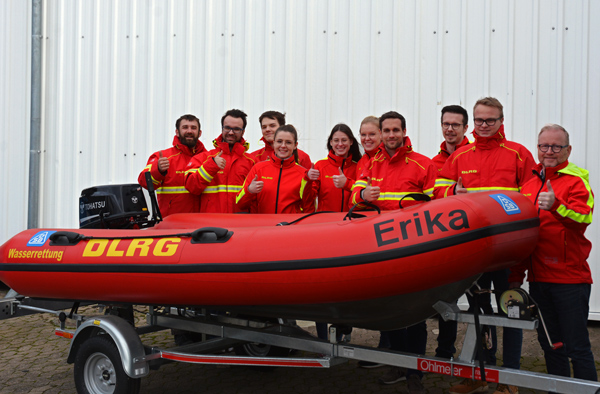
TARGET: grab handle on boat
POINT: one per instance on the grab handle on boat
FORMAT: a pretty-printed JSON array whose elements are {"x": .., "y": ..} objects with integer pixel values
[
  {"x": 351, "y": 213},
  {"x": 65, "y": 238},
  {"x": 206, "y": 235}
]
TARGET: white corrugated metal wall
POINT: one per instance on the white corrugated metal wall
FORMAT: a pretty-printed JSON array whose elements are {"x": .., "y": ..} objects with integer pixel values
[
  {"x": 15, "y": 79},
  {"x": 118, "y": 73}
]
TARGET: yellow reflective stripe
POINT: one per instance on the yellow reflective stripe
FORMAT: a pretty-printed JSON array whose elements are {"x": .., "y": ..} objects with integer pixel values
[
  {"x": 429, "y": 192},
  {"x": 240, "y": 195},
  {"x": 172, "y": 190},
  {"x": 191, "y": 171},
  {"x": 148, "y": 167},
  {"x": 441, "y": 182},
  {"x": 223, "y": 189},
  {"x": 360, "y": 183},
  {"x": 207, "y": 177},
  {"x": 302, "y": 186},
  {"x": 575, "y": 216}
]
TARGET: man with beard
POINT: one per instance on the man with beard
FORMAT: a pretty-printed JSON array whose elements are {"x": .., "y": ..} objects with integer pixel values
[
  {"x": 392, "y": 178},
  {"x": 167, "y": 168},
  {"x": 219, "y": 175}
]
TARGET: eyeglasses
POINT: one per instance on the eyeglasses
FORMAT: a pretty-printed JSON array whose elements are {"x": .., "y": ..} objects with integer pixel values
[
  {"x": 236, "y": 130},
  {"x": 454, "y": 126},
  {"x": 555, "y": 148},
  {"x": 489, "y": 122}
]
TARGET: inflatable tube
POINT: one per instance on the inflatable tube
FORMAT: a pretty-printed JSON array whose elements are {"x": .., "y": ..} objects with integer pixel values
[{"x": 383, "y": 271}]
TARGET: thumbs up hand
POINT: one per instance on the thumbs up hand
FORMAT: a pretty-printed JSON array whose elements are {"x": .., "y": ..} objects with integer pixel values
[
  {"x": 546, "y": 199},
  {"x": 163, "y": 163},
  {"x": 339, "y": 180},
  {"x": 221, "y": 162},
  {"x": 460, "y": 189},
  {"x": 255, "y": 186},
  {"x": 313, "y": 174},
  {"x": 371, "y": 193}
]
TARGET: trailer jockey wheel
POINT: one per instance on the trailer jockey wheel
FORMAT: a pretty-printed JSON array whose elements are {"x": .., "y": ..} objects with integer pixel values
[{"x": 98, "y": 369}]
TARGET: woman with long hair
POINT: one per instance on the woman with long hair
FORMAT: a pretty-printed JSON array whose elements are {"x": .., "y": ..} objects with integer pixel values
[{"x": 337, "y": 171}]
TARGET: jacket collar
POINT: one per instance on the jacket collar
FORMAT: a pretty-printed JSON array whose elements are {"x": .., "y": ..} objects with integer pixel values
[
  {"x": 549, "y": 172},
  {"x": 401, "y": 152},
  {"x": 338, "y": 160},
  {"x": 238, "y": 148},
  {"x": 443, "y": 149},
  {"x": 491, "y": 141},
  {"x": 185, "y": 149},
  {"x": 285, "y": 163}
]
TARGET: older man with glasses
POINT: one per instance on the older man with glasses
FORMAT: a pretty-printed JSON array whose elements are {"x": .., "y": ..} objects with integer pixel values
[
  {"x": 490, "y": 163},
  {"x": 217, "y": 176},
  {"x": 559, "y": 276}
]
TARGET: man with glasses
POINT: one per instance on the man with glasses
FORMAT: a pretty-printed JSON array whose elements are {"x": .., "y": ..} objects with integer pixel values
[
  {"x": 558, "y": 273},
  {"x": 490, "y": 163},
  {"x": 167, "y": 168},
  {"x": 217, "y": 176},
  {"x": 455, "y": 123}
]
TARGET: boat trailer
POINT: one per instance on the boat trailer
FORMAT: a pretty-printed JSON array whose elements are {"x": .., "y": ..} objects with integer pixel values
[{"x": 107, "y": 351}]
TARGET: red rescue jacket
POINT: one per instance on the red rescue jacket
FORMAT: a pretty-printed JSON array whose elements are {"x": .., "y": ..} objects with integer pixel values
[
  {"x": 286, "y": 188},
  {"x": 217, "y": 187},
  {"x": 263, "y": 154},
  {"x": 561, "y": 253},
  {"x": 329, "y": 197},
  {"x": 440, "y": 159},
  {"x": 490, "y": 163},
  {"x": 407, "y": 172},
  {"x": 170, "y": 188}
]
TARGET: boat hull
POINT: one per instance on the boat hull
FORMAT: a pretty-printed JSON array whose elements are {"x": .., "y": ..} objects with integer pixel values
[{"x": 382, "y": 271}]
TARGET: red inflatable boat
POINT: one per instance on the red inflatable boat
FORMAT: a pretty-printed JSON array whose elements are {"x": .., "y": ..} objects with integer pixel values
[{"x": 382, "y": 271}]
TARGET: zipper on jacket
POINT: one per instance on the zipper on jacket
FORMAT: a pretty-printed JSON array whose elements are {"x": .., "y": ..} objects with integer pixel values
[{"x": 278, "y": 183}]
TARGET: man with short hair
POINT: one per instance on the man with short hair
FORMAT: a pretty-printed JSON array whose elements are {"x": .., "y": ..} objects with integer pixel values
[
  {"x": 393, "y": 176},
  {"x": 455, "y": 123},
  {"x": 167, "y": 168},
  {"x": 270, "y": 121},
  {"x": 559, "y": 276},
  {"x": 490, "y": 163},
  {"x": 217, "y": 176}
]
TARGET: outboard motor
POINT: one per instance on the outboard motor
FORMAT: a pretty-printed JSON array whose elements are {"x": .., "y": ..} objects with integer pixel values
[{"x": 114, "y": 206}]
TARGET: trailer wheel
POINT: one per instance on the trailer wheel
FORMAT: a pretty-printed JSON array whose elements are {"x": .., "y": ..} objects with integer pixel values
[{"x": 98, "y": 369}]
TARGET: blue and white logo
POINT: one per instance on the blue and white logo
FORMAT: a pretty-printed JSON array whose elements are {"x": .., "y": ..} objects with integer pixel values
[
  {"x": 40, "y": 238},
  {"x": 507, "y": 204}
]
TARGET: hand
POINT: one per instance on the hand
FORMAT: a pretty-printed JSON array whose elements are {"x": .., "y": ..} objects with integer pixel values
[
  {"x": 339, "y": 180},
  {"x": 371, "y": 193},
  {"x": 221, "y": 162},
  {"x": 313, "y": 174},
  {"x": 163, "y": 163},
  {"x": 546, "y": 199},
  {"x": 459, "y": 187},
  {"x": 255, "y": 186}
]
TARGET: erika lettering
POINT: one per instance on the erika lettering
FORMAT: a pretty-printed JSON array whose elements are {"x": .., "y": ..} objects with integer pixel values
[{"x": 390, "y": 231}]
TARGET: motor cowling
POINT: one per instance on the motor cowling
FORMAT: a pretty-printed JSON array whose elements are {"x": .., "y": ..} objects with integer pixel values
[{"x": 113, "y": 206}]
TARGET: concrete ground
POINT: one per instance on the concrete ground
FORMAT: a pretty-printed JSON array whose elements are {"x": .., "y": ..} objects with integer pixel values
[{"x": 33, "y": 360}]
